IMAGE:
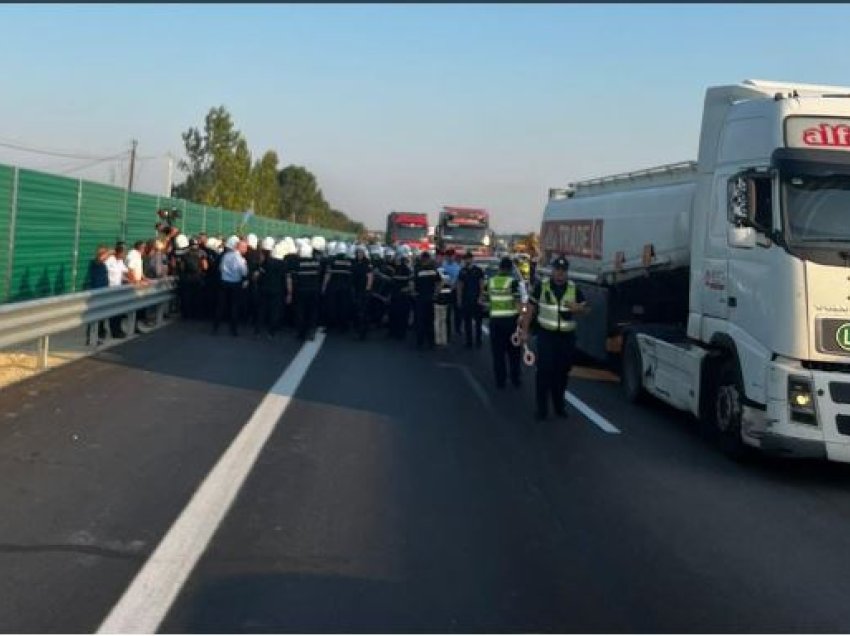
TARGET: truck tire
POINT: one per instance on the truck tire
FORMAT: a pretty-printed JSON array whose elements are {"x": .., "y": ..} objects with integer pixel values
[
  {"x": 632, "y": 372},
  {"x": 727, "y": 410}
]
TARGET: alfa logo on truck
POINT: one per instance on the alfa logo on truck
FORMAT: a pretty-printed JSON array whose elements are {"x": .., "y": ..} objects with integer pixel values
[{"x": 842, "y": 336}]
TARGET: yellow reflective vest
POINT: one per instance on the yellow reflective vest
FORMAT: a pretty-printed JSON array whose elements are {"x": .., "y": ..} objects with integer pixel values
[
  {"x": 502, "y": 303},
  {"x": 549, "y": 308}
]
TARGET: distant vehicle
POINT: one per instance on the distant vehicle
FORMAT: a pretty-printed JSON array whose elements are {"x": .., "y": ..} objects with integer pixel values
[
  {"x": 408, "y": 228},
  {"x": 465, "y": 229},
  {"x": 723, "y": 281}
]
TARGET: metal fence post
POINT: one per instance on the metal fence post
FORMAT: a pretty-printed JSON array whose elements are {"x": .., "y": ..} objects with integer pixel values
[
  {"x": 43, "y": 350},
  {"x": 13, "y": 217},
  {"x": 204, "y": 220},
  {"x": 74, "y": 265}
]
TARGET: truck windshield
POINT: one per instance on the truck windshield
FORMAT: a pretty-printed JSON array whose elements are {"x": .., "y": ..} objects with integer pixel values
[
  {"x": 817, "y": 208},
  {"x": 410, "y": 233},
  {"x": 466, "y": 235}
]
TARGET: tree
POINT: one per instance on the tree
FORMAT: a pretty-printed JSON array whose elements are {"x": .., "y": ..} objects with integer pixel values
[
  {"x": 265, "y": 186},
  {"x": 301, "y": 201},
  {"x": 217, "y": 163}
]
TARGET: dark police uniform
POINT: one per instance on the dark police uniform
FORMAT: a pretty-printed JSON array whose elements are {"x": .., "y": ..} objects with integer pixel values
[
  {"x": 502, "y": 293},
  {"x": 306, "y": 289},
  {"x": 400, "y": 301},
  {"x": 272, "y": 288},
  {"x": 472, "y": 278},
  {"x": 360, "y": 270},
  {"x": 339, "y": 297},
  {"x": 556, "y": 341},
  {"x": 425, "y": 281}
]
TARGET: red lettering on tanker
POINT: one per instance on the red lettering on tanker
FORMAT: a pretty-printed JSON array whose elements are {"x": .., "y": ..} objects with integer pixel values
[
  {"x": 581, "y": 238},
  {"x": 826, "y": 135}
]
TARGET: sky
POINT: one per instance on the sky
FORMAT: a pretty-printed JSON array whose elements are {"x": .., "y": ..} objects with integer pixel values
[{"x": 397, "y": 107}]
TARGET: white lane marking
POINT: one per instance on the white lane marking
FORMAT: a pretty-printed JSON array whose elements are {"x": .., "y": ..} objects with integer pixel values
[
  {"x": 476, "y": 387},
  {"x": 583, "y": 408},
  {"x": 592, "y": 415},
  {"x": 146, "y": 602}
]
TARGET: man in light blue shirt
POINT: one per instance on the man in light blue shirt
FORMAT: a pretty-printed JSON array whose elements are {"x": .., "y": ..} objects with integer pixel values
[
  {"x": 451, "y": 267},
  {"x": 233, "y": 270}
]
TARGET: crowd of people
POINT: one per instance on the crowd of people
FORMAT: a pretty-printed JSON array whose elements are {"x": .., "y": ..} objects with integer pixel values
[{"x": 271, "y": 285}]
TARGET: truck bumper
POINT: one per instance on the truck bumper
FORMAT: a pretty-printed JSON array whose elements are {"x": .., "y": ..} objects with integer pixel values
[{"x": 775, "y": 431}]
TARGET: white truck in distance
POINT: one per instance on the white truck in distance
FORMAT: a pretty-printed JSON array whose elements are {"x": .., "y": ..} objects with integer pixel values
[{"x": 725, "y": 283}]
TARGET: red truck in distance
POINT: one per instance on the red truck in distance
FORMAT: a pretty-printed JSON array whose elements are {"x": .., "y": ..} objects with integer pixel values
[
  {"x": 463, "y": 229},
  {"x": 408, "y": 228}
]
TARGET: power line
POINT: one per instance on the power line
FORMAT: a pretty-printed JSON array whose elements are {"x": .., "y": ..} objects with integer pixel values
[
  {"x": 59, "y": 153},
  {"x": 94, "y": 163}
]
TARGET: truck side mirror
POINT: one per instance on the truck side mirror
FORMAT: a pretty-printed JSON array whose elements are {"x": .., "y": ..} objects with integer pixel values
[
  {"x": 740, "y": 194},
  {"x": 741, "y": 236}
]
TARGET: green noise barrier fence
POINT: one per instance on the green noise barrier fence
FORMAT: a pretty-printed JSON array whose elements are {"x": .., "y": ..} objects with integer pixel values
[{"x": 50, "y": 227}]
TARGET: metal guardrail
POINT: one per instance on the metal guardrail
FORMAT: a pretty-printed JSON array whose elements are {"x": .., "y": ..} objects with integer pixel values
[{"x": 39, "y": 319}]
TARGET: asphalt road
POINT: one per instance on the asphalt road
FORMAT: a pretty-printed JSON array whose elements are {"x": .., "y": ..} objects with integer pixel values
[{"x": 400, "y": 492}]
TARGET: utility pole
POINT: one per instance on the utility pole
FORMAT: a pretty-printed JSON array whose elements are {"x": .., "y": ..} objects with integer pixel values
[
  {"x": 170, "y": 175},
  {"x": 132, "y": 165}
]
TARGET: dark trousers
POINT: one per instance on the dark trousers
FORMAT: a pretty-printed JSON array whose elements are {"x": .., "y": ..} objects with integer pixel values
[
  {"x": 252, "y": 307},
  {"x": 306, "y": 312},
  {"x": 270, "y": 309},
  {"x": 555, "y": 354},
  {"x": 191, "y": 297},
  {"x": 229, "y": 304},
  {"x": 360, "y": 315},
  {"x": 115, "y": 325},
  {"x": 501, "y": 330},
  {"x": 340, "y": 304},
  {"x": 424, "y": 320},
  {"x": 472, "y": 313},
  {"x": 399, "y": 315}
]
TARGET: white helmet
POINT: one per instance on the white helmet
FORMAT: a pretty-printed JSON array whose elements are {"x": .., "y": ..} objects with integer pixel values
[
  {"x": 232, "y": 242},
  {"x": 279, "y": 251},
  {"x": 291, "y": 248},
  {"x": 341, "y": 249},
  {"x": 376, "y": 251},
  {"x": 268, "y": 243},
  {"x": 305, "y": 250},
  {"x": 318, "y": 243},
  {"x": 182, "y": 242},
  {"x": 213, "y": 243},
  {"x": 352, "y": 250},
  {"x": 252, "y": 241},
  {"x": 332, "y": 247}
]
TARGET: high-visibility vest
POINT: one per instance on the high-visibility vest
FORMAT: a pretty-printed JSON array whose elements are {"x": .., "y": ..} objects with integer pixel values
[
  {"x": 549, "y": 308},
  {"x": 502, "y": 302}
]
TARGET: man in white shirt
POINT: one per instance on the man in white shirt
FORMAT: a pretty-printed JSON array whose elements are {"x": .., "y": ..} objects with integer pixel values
[
  {"x": 135, "y": 275},
  {"x": 116, "y": 271}
]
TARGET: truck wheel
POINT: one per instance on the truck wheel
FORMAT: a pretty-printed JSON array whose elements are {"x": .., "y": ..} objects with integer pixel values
[
  {"x": 727, "y": 410},
  {"x": 632, "y": 374}
]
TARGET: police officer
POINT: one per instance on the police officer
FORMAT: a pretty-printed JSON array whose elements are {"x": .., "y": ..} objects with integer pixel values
[
  {"x": 470, "y": 283},
  {"x": 302, "y": 290},
  {"x": 382, "y": 286},
  {"x": 400, "y": 300},
  {"x": 191, "y": 269},
  {"x": 362, "y": 279},
  {"x": 338, "y": 291},
  {"x": 503, "y": 292},
  {"x": 425, "y": 281},
  {"x": 271, "y": 285},
  {"x": 555, "y": 303},
  {"x": 252, "y": 294}
]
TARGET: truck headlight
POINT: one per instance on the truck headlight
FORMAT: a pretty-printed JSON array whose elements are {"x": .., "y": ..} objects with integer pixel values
[{"x": 801, "y": 400}]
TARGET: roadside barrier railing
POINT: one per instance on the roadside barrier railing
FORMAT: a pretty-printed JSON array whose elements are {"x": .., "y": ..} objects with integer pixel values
[{"x": 37, "y": 320}]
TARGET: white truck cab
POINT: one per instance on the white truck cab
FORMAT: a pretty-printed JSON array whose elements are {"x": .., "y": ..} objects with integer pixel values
[{"x": 760, "y": 227}]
